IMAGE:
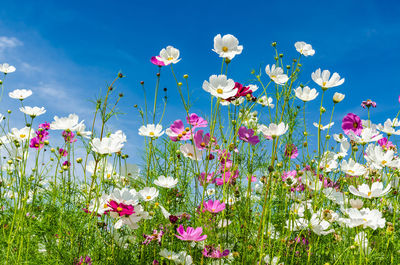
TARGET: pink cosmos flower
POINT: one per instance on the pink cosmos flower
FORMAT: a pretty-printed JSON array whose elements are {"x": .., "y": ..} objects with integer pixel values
[
  {"x": 190, "y": 234},
  {"x": 196, "y": 121},
  {"x": 247, "y": 135},
  {"x": 215, "y": 253},
  {"x": 227, "y": 178},
  {"x": 368, "y": 103},
  {"x": 252, "y": 178},
  {"x": 209, "y": 179},
  {"x": 84, "y": 260},
  {"x": 291, "y": 151},
  {"x": 351, "y": 122},
  {"x": 178, "y": 132},
  {"x": 120, "y": 208},
  {"x": 155, "y": 61},
  {"x": 153, "y": 237},
  {"x": 213, "y": 206},
  {"x": 45, "y": 126},
  {"x": 385, "y": 144},
  {"x": 62, "y": 152},
  {"x": 36, "y": 143},
  {"x": 42, "y": 134},
  {"x": 200, "y": 141}
]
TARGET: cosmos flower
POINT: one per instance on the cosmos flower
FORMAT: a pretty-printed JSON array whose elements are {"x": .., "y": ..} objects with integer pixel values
[
  {"x": 273, "y": 130},
  {"x": 266, "y": 101},
  {"x": 168, "y": 55},
  {"x": 6, "y": 68},
  {"x": 109, "y": 145},
  {"x": 220, "y": 86},
  {"x": 149, "y": 194},
  {"x": 368, "y": 103},
  {"x": 322, "y": 127},
  {"x": 323, "y": 80},
  {"x": 178, "y": 132},
  {"x": 20, "y": 94},
  {"x": 291, "y": 151},
  {"x": 388, "y": 128},
  {"x": 276, "y": 74},
  {"x": 304, "y": 48},
  {"x": 65, "y": 123},
  {"x": 365, "y": 191},
  {"x": 120, "y": 209},
  {"x": 351, "y": 122},
  {"x": 353, "y": 168},
  {"x": 189, "y": 151},
  {"x": 306, "y": 94},
  {"x": 156, "y": 61},
  {"x": 227, "y": 46},
  {"x": 33, "y": 111},
  {"x": 151, "y": 130},
  {"x": 190, "y": 234},
  {"x": 22, "y": 134},
  {"x": 379, "y": 158},
  {"x": 166, "y": 182},
  {"x": 247, "y": 135},
  {"x": 196, "y": 121},
  {"x": 364, "y": 217},
  {"x": 213, "y": 206}
]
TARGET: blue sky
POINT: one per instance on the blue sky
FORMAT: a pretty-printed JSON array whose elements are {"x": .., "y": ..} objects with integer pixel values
[{"x": 65, "y": 51}]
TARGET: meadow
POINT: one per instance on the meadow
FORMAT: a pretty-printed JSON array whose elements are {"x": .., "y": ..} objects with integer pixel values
[{"x": 257, "y": 179}]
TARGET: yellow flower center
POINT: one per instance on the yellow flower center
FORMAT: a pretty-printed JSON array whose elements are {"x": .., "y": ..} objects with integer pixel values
[
  {"x": 22, "y": 135},
  {"x": 148, "y": 197},
  {"x": 170, "y": 58},
  {"x": 108, "y": 175},
  {"x": 105, "y": 205},
  {"x": 220, "y": 91},
  {"x": 369, "y": 193},
  {"x": 224, "y": 49},
  {"x": 151, "y": 133},
  {"x": 169, "y": 257},
  {"x": 119, "y": 209},
  {"x": 384, "y": 162},
  {"x": 351, "y": 171},
  {"x": 323, "y": 84},
  {"x": 190, "y": 154}
]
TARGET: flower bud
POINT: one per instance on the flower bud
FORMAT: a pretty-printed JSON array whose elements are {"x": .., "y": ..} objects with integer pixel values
[
  {"x": 79, "y": 160},
  {"x": 273, "y": 44},
  {"x": 322, "y": 110},
  {"x": 180, "y": 84},
  {"x": 185, "y": 76},
  {"x": 337, "y": 97}
]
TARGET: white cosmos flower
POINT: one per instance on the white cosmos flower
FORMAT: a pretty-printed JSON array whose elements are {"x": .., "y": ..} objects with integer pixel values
[
  {"x": 388, "y": 128},
  {"x": 335, "y": 196},
  {"x": 367, "y": 135},
  {"x": 304, "y": 48},
  {"x": 22, "y": 134},
  {"x": 220, "y": 86},
  {"x": 311, "y": 181},
  {"x": 320, "y": 226},
  {"x": 276, "y": 74},
  {"x": 80, "y": 130},
  {"x": 166, "y": 182},
  {"x": 353, "y": 168},
  {"x": 227, "y": 46},
  {"x": 126, "y": 196},
  {"x": 65, "y": 123},
  {"x": 322, "y": 127},
  {"x": 364, "y": 217},
  {"x": 149, "y": 194},
  {"x": 151, "y": 130},
  {"x": 170, "y": 255},
  {"x": 365, "y": 191},
  {"x": 132, "y": 220},
  {"x": 6, "y": 68},
  {"x": 102, "y": 167},
  {"x": 379, "y": 158},
  {"x": 339, "y": 138},
  {"x": 306, "y": 94},
  {"x": 272, "y": 261},
  {"x": 109, "y": 145},
  {"x": 328, "y": 161},
  {"x": 266, "y": 101},
  {"x": 323, "y": 80},
  {"x": 369, "y": 124},
  {"x": 395, "y": 122},
  {"x": 273, "y": 130},
  {"x": 33, "y": 111},
  {"x": 189, "y": 151},
  {"x": 169, "y": 55},
  {"x": 344, "y": 148},
  {"x": 20, "y": 94}
]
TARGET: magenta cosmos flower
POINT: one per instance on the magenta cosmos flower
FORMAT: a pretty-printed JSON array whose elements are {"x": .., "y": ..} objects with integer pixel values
[
  {"x": 291, "y": 151},
  {"x": 247, "y": 135},
  {"x": 351, "y": 122},
  {"x": 242, "y": 91},
  {"x": 215, "y": 253},
  {"x": 178, "y": 132},
  {"x": 120, "y": 208},
  {"x": 190, "y": 234},
  {"x": 201, "y": 141},
  {"x": 214, "y": 206}
]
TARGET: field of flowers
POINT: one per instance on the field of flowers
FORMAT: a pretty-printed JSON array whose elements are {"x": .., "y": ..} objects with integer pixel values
[{"x": 248, "y": 182}]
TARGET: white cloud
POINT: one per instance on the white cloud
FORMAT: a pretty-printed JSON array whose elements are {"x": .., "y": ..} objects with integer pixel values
[{"x": 9, "y": 42}]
